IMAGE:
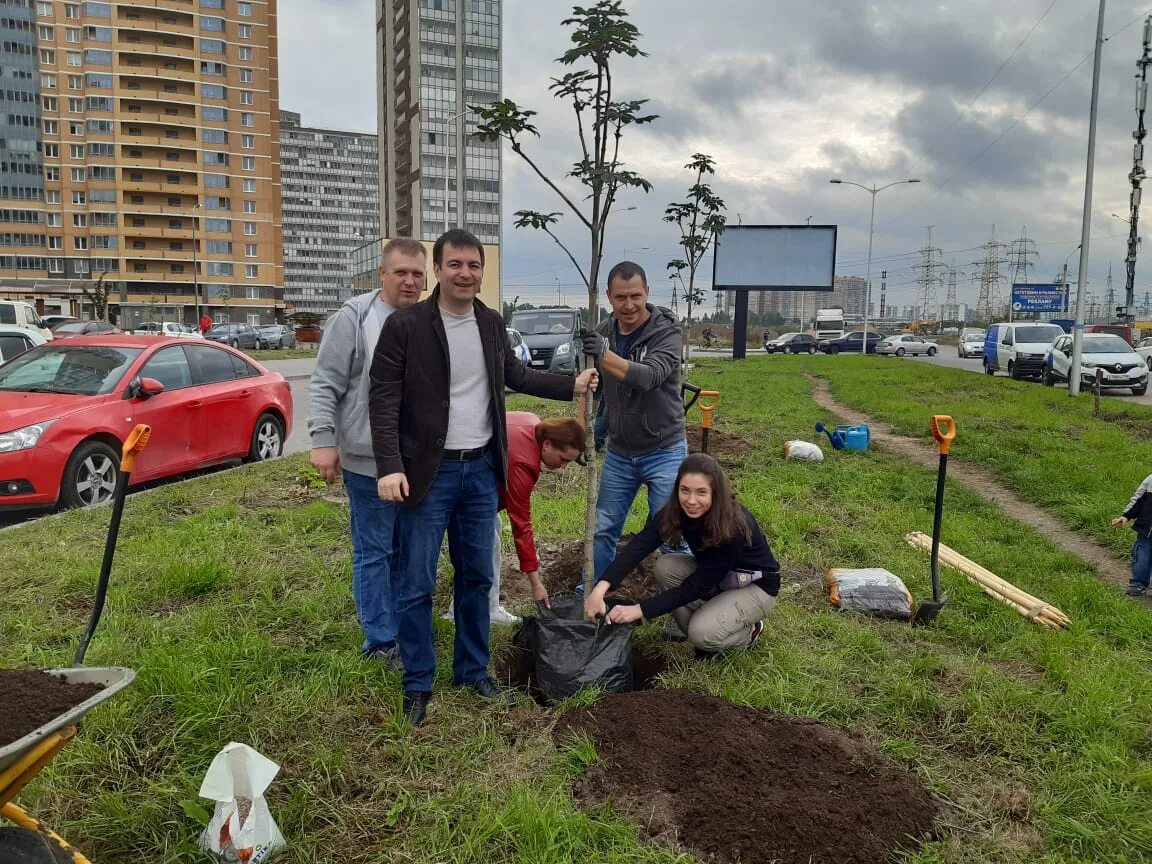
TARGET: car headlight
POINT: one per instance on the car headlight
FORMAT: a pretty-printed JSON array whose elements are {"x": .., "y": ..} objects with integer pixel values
[
  {"x": 23, "y": 439},
  {"x": 1088, "y": 365},
  {"x": 564, "y": 348}
]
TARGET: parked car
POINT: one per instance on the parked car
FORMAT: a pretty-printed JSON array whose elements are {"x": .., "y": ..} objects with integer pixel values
[
  {"x": 516, "y": 343},
  {"x": 276, "y": 336},
  {"x": 971, "y": 342},
  {"x": 236, "y": 335},
  {"x": 54, "y": 321},
  {"x": 65, "y": 408},
  {"x": 1144, "y": 349},
  {"x": 1121, "y": 365},
  {"x": 850, "y": 343},
  {"x": 20, "y": 314},
  {"x": 1019, "y": 348},
  {"x": 549, "y": 335},
  {"x": 84, "y": 328},
  {"x": 906, "y": 343},
  {"x": 791, "y": 343},
  {"x": 168, "y": 328},
  {"x": 17, "y": 340}
]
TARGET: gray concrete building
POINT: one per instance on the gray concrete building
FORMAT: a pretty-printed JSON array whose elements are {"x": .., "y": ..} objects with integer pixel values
[
  {"x": 331, "y": 207},
  {"x": 434, "y": 59}
]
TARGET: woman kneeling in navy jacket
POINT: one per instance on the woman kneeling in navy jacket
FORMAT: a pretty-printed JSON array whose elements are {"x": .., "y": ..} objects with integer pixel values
[{"x": 721, "y": 593}]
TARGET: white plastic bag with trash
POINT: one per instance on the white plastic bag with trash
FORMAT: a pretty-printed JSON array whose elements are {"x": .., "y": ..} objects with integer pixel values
[
  {"x": 242, "y": 828},
  {"x": 802, "y": 451}
]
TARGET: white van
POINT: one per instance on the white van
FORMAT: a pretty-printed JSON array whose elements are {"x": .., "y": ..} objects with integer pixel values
[
  {"x": 1019, "y": 348},
  {"x": 23, "y": 315}
]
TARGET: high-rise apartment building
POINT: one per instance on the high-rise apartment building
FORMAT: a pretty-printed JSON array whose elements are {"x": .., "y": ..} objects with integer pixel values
[
  {"x": 435, "y": 58},
  {"x": 331, "y": 197},
  {"x": 140, "y": 148}
]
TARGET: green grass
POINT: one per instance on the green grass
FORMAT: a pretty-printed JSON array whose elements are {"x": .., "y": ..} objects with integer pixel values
[
  {"x": 231, "y": 599},
  {"x": 1043, "y": 444}
]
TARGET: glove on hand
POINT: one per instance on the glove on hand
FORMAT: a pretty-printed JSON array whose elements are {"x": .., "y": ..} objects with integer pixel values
[{"x": 593, "y": 344}]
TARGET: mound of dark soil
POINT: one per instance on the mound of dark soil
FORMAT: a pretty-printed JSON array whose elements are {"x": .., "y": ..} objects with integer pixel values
[
  {"x": 29, "y": 699},
  {"x": 728, "y": 449},
  {"x": 737, "y": 784}
]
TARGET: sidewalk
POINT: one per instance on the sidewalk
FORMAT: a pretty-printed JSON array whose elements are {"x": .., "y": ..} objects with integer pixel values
[{"x": 292, "y": 370}]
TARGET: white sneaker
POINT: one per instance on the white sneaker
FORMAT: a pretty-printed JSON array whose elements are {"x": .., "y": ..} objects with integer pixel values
[
  {"x": 450, "y": 615},
  {"x": 502, "y": 616}
]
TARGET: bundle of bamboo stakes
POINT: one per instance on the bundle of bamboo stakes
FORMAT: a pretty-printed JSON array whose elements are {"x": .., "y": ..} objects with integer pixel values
[{"x": 1030, "y": 607}]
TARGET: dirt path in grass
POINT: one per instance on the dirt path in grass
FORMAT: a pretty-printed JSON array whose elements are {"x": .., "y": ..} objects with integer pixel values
[{"x": 984, "y": 483}]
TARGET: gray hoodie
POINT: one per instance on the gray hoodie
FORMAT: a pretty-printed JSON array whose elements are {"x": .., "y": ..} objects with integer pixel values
[
  {"x": 339, "y": 386},
  {"x": 645, "y": 411}
]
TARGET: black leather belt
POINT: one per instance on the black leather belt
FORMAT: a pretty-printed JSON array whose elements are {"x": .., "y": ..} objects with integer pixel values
[{"x": 464, "y": 455}]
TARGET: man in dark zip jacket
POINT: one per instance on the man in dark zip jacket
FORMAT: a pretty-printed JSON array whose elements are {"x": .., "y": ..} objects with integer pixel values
[{"x": 1139, "y": 513}]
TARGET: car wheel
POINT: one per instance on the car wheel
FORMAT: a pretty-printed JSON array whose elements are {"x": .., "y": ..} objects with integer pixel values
[
  {"x": 931, "y": 352},
  {"x": 234, "y": 344},
  {"x": 1140, "y": 391},
  {"x": 1012, "y": 372},
  {"x": 835, "y": 349},
  {"x": 988, "y": 370},
  {"x": 899, "y": 352},
  {"x": 1047, "y": 378},
  {"x": 811, "y": 349},
  {"x": 267, "y": 439},
  {"x": 90, "y": 475}
]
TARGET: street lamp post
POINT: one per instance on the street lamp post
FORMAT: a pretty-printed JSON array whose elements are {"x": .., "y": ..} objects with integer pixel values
[
  {"x": 463, "y": 155},
  {"x": 872, "y": 190},
  {"x": 195, "y": 270}
]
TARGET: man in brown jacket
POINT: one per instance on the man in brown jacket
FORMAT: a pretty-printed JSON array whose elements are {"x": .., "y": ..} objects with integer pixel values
[{"x": 436, "y": 405}]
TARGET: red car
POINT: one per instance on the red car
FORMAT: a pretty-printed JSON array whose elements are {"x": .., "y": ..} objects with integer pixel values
[{"x": 66, "y": 407}]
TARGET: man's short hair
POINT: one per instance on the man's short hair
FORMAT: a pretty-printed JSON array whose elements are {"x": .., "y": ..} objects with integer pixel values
[
  {"x": 627, "y": 270},
  {"x": 459, "y": 238},
  {"x": 403, "y": 245}
]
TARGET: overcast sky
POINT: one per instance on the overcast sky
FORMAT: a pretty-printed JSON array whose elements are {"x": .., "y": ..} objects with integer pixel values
[{"x": 785, "y": 95}]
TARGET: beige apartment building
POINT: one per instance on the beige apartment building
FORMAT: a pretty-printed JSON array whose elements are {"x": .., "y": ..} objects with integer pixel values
[{"x": 140, "y": 149}]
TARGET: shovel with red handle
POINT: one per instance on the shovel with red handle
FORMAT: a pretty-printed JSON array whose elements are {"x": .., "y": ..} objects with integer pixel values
[
  {"x": 137, "y": 441},
  {"x": 944, "y": 431}
]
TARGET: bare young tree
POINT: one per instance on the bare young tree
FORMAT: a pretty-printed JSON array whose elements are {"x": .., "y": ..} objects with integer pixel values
[
  {"x": 701, "y": 220},
  {"x": 600, "y": 33}
]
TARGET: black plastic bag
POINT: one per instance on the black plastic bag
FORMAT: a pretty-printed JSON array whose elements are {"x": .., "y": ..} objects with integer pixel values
[{"x": 570, "y": 654}]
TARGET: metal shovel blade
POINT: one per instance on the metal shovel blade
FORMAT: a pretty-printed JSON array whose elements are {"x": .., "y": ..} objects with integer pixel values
[{"x": 927, "y": 611}]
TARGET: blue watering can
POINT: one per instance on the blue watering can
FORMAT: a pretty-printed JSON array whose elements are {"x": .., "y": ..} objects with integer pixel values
[{"x": 846, "y": 437}]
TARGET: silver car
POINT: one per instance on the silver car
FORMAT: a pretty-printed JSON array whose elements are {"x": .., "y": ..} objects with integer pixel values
[
  {"x": 906, "y": 343},
  {"x": 971, "y": 342}
]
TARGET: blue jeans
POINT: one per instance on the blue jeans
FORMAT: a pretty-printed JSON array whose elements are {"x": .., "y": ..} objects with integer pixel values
[
  {"x": 620, "y": 480},
  {"x": 462, "y": 503},
  {"x": 1141, "y": 561},
  {"x": 374, "y": 552}
]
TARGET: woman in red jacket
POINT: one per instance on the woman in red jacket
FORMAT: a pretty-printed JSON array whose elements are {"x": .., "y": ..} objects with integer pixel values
[{"x": 532, "y": 444}]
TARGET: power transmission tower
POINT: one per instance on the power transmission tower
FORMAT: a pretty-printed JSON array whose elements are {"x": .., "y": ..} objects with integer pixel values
[
  {"x": 1137, "y": 175},
  {"x": 926, "y": 296},
  {"x": 951, "y": 313},
  {"x": 989, "y": 303},
  {"x": 1020, "y": 255},
  {"x": 1109, "y": 295}
]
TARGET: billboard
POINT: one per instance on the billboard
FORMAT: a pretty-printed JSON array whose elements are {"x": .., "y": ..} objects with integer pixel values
[
  {"x": 775, "y": 258},
  {"x": 1037, "y": 298}
]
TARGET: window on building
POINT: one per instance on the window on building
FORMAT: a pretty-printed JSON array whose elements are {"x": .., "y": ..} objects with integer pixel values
[
  {"x": 211, "y": 23},
  {"x": 51, "y": 174},
  {"x": 80, "y": 244},
  {"x": 76, "y": 82},
  {"x": 213, "y": 91},
  {"x": 216, "y": 181},
  {"x": 251, "y": 271},
  {"x": 249, "y": 185},
  {"x": 245, "y": 52},
  {"x": 48, "y": 82},
  {"x": 247, "y": 97},
  {"x": 222, "y": 226},
  {"x": 71, "y": 10},
  {"x": 55, "y": 242},
  {"x": 219, "y": 247},
  {"x": 98, "y": 34},
  {"x": 52, "y": 196},
  {"x": 249, "y": 229},
  {"x": 44, "y": 9},
  {"x": 47, "y": 32},
  {"x": 219, "y": 268},
  {"x": 249, "y": 206},
  {"x": 244, "y": 10},
  {"x": 47, "y": 57},
  {"x": 51, "y": 127},
  {"x": 214, "y": 136},
  {"x": 72, "y": 35},
  {"x": 97, "y": 57},
  {"x": 246, "y": 76},
  {"x": 97, "y": 10},
  {"x": 76, "y": 105},
  {"x": 249, "y": 163},
  {"x": 51, "y": 103},
  {"x": 248, "y": 142},
  {"x": 212, "y": 4},
  {"x": 247, "y": 119},
  {"x": 215, "y": 202},
  {"x": 212, "y": 46},
  {"x": 213, "y": 112},
  {"x": 250, "y": 250},
  {"x": 78, "y": 175},
  {"x": 54, "y": 220},
  {"x": 244, "y": 31}
]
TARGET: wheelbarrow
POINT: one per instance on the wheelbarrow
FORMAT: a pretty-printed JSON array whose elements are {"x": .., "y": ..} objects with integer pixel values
[{"x": 30, "y": 842}]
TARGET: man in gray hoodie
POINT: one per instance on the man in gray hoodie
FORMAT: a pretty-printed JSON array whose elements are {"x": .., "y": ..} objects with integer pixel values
[
  {"x": 342, "y": 437},
  {"x": 637, "y": 351}
]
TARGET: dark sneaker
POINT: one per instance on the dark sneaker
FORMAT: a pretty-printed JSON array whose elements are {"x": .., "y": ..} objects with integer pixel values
[
  {"x": 671, "y": 631},
  {"x": 486, "y": 689},
  {"x": 1137, "y": 590},
  {"x": 416, "y": 706},
  {"x": 386, "y": 655},
  {"x": 757, "y": 629}
]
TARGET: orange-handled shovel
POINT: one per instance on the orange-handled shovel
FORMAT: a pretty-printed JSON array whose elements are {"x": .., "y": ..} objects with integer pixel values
[
  {"x": 709, "y": 401},
  {"x": 944, "y": 431},
  {"x": 137, "y": 441}
]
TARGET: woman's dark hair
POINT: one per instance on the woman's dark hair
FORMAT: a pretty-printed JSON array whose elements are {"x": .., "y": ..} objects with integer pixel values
[{"x": 723, "y": 522}]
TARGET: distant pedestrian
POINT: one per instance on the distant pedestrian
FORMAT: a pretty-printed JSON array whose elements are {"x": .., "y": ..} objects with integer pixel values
[
  {"x": 722, "y": 592},
  {"x": 440, "y": 437},
  {"x": 1138, "y": 513},
  {"x": 342, "y": 437},
  {"x": 205, "y": 324}
]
